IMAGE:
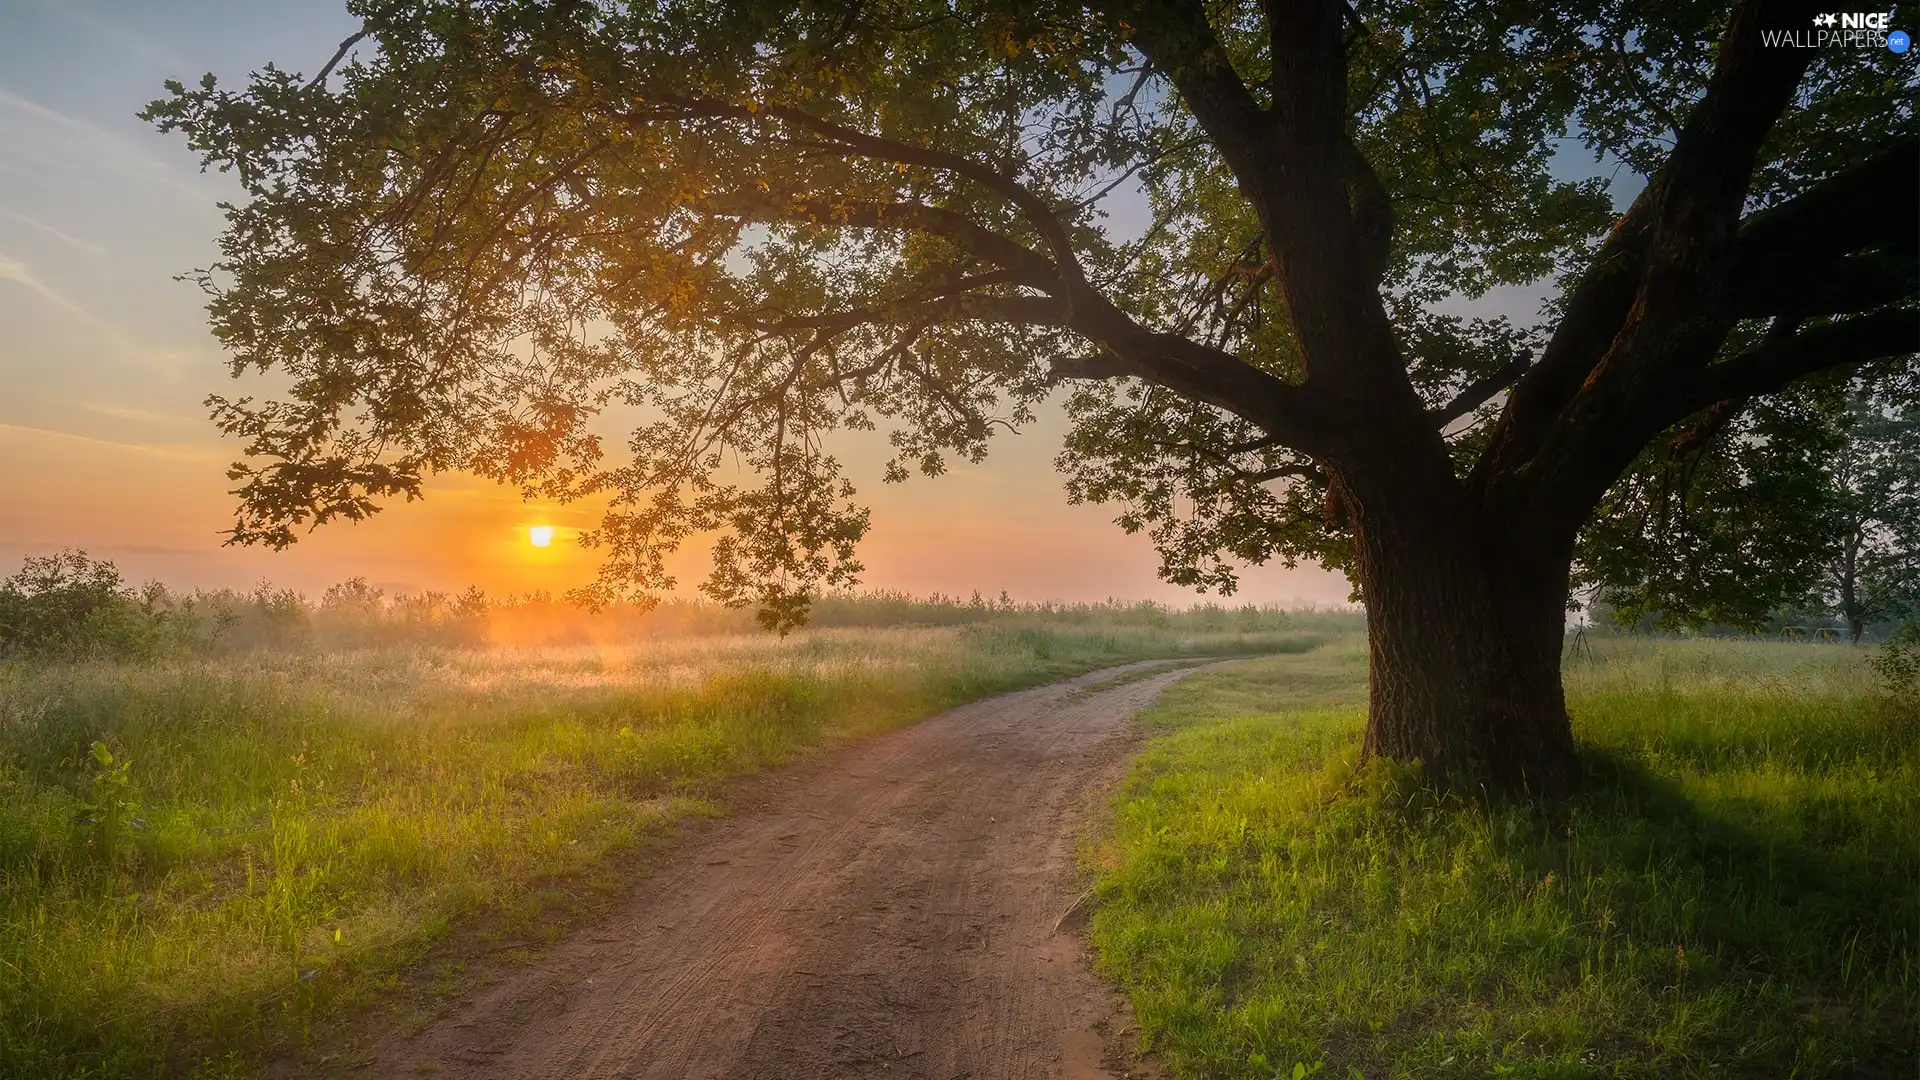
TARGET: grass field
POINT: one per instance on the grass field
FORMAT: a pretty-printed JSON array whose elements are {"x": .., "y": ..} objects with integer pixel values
[
  {"x": 202, "y": 859},
  {"x": 1739, "y": 895}
]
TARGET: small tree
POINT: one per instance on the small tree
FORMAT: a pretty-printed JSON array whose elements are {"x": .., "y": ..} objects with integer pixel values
[
  {"x": 72, "y": 605},
  {"x": 751, "y": 224},
  {"x": 1874, "y": 574}
]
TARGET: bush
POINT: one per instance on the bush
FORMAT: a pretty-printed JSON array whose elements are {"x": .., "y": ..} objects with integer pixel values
[
  {"x": 1898, "y": 664},
  {"x": 70, "y": 605}
]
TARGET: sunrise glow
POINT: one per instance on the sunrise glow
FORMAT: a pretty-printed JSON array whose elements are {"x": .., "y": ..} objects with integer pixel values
[{"x": 540, "y": 536}]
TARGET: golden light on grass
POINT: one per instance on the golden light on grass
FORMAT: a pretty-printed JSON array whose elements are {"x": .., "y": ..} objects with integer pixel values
[{"x": 540, "y": 535}]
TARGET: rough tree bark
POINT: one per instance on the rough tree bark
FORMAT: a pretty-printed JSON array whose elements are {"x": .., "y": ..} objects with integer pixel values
[
  {"x": 1464, "y": 612},
  {"x": 1465, "y": 580},
  {"x": 1464, "y": 656}
]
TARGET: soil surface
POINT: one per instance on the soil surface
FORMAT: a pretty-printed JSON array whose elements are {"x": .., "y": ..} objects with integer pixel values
[{"x": 904, "y": 907}]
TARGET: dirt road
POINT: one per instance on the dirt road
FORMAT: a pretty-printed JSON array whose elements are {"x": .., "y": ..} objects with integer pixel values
[{"x": 889, "y": 910}]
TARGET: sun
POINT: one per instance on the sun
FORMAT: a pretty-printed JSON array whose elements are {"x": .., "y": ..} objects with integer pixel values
[{"x": 540, "y": 535}]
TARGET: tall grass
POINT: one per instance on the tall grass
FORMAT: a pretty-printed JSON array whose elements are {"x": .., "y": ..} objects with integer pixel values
[
  {"x": 198, "y": 857},
  {"x": 1737, "y": 895}
]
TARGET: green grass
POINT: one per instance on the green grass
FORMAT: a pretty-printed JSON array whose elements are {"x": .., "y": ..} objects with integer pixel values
[
  {"x": 295, "y": 829},
  {"x": 1738, "y": 896}
]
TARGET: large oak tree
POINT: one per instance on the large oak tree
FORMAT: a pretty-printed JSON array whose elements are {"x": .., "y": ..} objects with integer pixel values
[{"x": 485, "y": 227}]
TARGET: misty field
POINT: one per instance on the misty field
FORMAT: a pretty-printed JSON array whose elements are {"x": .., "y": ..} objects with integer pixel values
[
  {"x": 202, "y": 857},
  {"x": 1737, "y": 895}
]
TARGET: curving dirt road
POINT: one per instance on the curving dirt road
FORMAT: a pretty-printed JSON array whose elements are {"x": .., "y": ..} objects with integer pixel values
[{"x": 894, "y": 909}]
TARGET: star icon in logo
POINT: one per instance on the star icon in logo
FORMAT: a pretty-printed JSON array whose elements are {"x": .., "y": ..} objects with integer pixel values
[{"x": 1828, "y": 19}]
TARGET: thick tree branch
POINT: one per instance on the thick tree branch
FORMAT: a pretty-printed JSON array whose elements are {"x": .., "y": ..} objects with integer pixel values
[
  {"x": 1681, "y": 307},
  {"x": 1810, "y": 255},
  {"x": 1319, "y": 205},
  {"x": 1866, "y": 206},
  {"x": 1100, "y": 364},
  {"x": 1182, "y": 39},
  {"x": 1293, "y": 414},
  {"x": 1594, "y": 312},
  {"x": 1175, "y": 37},
  {"x": 1297, "y": 471},
  {"x": 1786, "y": 357},
  {"x": 1845, "y": 286},
  {"x": 1784, "y": 265},
  {"x": 1178, "y": 363},
  {"x": 1192, "y": 368}
]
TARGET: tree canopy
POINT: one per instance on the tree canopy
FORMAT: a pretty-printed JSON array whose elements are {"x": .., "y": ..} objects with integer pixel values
[{"x": 484, "y": 223}]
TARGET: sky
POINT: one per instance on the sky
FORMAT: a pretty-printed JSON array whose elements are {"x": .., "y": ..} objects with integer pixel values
[{"x": 105, "y": 359}]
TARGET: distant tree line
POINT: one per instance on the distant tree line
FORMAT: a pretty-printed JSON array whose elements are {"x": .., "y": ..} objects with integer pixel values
[
  {"x": 1796, "y": 511},
  {"x": 72, "y": 606}
]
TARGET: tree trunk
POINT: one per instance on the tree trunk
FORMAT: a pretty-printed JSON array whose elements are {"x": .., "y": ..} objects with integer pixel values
[
  {"x": 1465, "y": 630},
  {"x": 1849, "y": 593}
]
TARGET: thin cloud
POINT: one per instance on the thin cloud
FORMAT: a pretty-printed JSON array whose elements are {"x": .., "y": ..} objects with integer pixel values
[
  {"x": 94, "y": 133},
  {"x": 19, "y": 273},
  {"x": 125, "y": 412},
  {"x": 170, "y": 453},
  {"x": 106, "y": 147},
  {"x": 72, "y": 241}
]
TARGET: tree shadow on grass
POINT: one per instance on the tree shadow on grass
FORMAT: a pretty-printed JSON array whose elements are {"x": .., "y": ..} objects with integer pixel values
[{"x": 1811, "y": 929}]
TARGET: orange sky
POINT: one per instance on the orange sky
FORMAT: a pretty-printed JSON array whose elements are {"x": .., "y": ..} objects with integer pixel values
[{"x": 154, "y": 506}]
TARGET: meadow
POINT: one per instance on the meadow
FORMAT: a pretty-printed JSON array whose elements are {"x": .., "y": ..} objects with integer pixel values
[
  {"x": 231, "y": 822},
  {"x": 1736, "y": 894},
  {"x": 209, "y": 855}
]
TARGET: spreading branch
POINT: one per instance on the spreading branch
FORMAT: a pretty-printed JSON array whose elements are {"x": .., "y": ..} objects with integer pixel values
[
  {"x": 1785, "y": 357},
  {"x": 1680, "y": 310},
  {"x": 1038, "y": 212}
]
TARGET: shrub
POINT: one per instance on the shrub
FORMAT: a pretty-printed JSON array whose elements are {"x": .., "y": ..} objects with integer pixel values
[
  {"x": 71, "y": 605},
  {"x": 103, "y": 820},
  {"x": 1898, "y": 664}
]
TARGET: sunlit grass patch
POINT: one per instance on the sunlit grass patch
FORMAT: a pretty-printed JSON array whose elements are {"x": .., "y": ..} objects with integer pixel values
[{"x": 1738, "y": 895}]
